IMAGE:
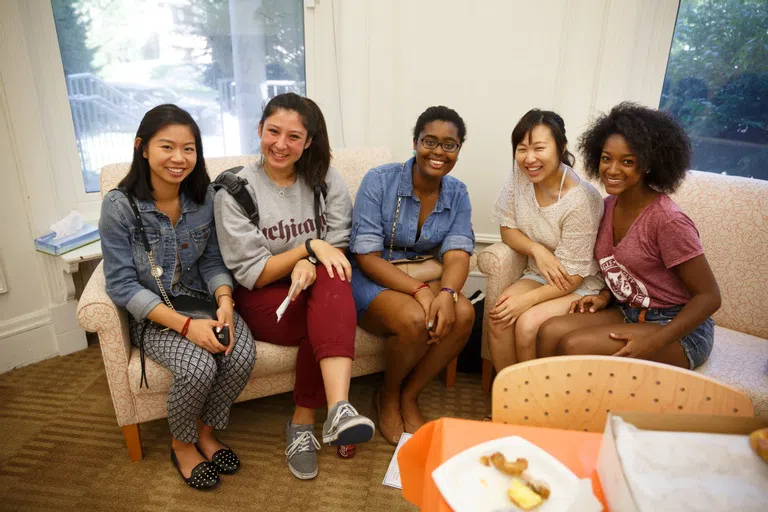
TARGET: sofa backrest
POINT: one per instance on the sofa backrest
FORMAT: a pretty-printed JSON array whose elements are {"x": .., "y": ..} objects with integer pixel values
[
  {"x": 731, "y": 214},
  {"x": 352, "y": 163}
]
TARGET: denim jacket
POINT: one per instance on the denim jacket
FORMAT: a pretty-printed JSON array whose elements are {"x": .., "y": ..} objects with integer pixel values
[
  {"x": 448, "y": 227},
  {"x": 126, "y": 265}
]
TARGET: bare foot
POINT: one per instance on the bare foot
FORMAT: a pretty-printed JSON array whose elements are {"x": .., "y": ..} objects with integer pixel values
[
  {"x": 390, "y": 421},
  {"x": 412, "y": 418},
  {"x": 188, "y": 457},
  {"x": 207, "y": 444}
]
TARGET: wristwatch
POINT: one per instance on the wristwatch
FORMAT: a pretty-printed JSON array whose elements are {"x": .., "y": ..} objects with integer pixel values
[
  {"x": 312, "y": 256},
  {"x": 453, "y": 294}
]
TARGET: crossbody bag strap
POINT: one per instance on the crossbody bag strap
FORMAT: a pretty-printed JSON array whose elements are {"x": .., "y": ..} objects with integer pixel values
[{"x": 394, "y": 223}]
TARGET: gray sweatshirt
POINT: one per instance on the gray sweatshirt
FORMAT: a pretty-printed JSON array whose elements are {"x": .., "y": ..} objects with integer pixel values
[{"x": 286, "y": 220}]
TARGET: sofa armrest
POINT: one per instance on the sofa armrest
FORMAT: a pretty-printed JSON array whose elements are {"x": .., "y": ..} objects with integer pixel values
[
  {"x": 502, "y": 266},
  {"x": 97, "y": 313}
]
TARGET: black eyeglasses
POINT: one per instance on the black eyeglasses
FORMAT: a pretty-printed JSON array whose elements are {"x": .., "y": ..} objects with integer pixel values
[{"x": 432, "y": 143}]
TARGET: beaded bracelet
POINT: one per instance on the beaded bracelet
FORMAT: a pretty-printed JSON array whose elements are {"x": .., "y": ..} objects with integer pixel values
[
  {"x": 186, "y": 326},
  {"x": 419, "y": 288}
]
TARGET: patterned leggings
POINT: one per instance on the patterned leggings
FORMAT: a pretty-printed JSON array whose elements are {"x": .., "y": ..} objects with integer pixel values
[{"x": 204, "y": 385}]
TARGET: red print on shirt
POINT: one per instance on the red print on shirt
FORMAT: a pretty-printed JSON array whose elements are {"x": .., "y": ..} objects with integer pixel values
[{"x": 625, "y": 287}]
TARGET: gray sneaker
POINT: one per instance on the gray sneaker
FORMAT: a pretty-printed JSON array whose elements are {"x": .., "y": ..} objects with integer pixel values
[
  {"x": 345, "y": 426},
  {"x": 301, "y": 452}
]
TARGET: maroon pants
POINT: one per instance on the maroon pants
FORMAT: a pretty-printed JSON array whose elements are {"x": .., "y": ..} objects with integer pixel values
[{"x": 321, "y": 321}]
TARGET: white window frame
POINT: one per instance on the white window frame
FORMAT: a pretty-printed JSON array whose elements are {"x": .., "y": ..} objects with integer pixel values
[{"x": 56, "y": 114}]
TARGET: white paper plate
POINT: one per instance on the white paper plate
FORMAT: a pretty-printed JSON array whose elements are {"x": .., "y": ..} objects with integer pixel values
[{"x": 468, "y": 485}]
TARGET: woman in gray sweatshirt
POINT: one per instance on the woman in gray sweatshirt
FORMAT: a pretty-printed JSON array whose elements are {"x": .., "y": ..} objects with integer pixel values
[{"x": 304, "y": 223}]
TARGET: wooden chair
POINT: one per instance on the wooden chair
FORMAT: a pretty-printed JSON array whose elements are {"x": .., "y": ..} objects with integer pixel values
[{"x": 578, "y": 392}]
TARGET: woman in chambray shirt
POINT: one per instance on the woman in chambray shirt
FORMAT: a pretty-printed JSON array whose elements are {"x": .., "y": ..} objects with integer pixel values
[
  {"x": 171, "y": 189},
  {"x": 426, "y": 324}
]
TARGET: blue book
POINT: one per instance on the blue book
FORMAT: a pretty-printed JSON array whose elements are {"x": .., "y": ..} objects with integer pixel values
[{"x": 79, "y": 238}]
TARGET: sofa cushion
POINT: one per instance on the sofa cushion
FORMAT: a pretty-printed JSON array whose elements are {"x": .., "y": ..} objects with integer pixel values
[
  {"x": 270, "y": 360},
  {"x": 741, "y": 361}
]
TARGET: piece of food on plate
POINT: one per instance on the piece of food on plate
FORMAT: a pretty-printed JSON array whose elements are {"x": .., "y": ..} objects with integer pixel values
[
  {"x": 485, "y": 460},
  {"x": 523, "y": 496},
  {"x": 511, "y": 468},
  {"x": 537, "y": 486},
  {"x": 759, "y": 442}
]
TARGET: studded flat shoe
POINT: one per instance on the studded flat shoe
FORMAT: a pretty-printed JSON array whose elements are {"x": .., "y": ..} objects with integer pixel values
[
  {"x": 204, "y": 476},
  {"x": 226, "y": 461}
]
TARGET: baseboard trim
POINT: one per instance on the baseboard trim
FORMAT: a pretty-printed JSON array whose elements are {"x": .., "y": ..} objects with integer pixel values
[
  {"x": 487, "y": 238},
  {"x": 24, "y": 323}
]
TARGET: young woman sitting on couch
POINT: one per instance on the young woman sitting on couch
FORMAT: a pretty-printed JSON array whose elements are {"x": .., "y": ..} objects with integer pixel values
[
  {"x": 298, "y": 245},
  {"x": 549, "y": 214},
  {"x": 660, "y": 291},
  {"x": 404, "y": 210},
  {"x": 170, "y": 211}
]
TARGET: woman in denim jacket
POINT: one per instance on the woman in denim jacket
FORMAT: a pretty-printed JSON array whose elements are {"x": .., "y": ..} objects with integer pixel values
[
  {"x": 171, "y": 188},
  {"x": 426, "y": 324}
]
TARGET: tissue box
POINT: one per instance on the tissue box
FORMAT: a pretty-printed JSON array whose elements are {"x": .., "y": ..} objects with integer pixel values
[
  {"x": 616, "y": 489},
  {"x": 79, "y": 238}
]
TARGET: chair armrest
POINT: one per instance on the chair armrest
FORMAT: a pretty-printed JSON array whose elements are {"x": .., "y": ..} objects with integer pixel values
[
  {"x": 97, "y": 313},
  {"x": 502, "y": 266}
]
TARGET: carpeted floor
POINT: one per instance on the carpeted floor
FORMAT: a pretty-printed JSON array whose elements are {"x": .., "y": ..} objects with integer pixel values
[{"x": 61, "y": 449}]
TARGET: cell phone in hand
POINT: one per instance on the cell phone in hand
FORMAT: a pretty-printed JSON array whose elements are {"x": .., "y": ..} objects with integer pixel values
[{"x": 222, "y": 336}]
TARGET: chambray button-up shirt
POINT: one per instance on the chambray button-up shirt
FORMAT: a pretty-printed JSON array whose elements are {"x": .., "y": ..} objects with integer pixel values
[{"x": 448, "y": 227}]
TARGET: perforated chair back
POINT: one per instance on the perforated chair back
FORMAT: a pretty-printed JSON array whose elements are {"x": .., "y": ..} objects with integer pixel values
[{"x": 578, "y": 392}]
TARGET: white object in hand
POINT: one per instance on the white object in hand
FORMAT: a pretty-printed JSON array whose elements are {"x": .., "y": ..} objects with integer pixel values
[
  {"x": 284, "y": 305},
  {"x": 68, "y": 225}
]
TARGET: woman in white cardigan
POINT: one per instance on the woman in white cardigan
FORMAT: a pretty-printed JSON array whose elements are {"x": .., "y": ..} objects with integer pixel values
[{"x": 548, "y": 213}]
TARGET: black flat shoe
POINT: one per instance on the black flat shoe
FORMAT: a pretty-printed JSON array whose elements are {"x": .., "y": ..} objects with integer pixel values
[
  {"x": 226, "y": 461},
  {"x": 204, "y": 476}
]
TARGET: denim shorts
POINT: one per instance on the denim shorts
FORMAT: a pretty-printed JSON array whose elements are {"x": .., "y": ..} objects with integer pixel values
[{"x": 697, "y": 345}]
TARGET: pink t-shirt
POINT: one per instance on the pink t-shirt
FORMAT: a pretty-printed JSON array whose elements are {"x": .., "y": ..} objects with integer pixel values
[{"x": 638, "y": 270}]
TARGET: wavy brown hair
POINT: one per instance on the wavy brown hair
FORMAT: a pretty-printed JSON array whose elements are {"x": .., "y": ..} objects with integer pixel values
[{"x": 313, "y": 164}]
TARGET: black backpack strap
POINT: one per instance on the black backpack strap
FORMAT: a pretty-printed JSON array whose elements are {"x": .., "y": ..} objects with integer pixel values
[
  {"x": 235, "y": 185},
  {"x": 321, "y": 188}
]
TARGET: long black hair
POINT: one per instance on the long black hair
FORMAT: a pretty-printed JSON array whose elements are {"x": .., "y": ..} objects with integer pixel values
[
  {"x": 137, "y": 182},
  {"x": 313, "y": 164},
  {"x": 551, "y": 120}
]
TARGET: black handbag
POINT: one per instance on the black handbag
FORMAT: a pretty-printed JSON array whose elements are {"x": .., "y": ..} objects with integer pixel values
[{"x": 187, "y": 305}]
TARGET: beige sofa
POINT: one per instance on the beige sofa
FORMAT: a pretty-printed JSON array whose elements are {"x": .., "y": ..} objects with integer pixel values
[
  {"x": 731, "y": 214},
  {"x": 275, "y": 365}
]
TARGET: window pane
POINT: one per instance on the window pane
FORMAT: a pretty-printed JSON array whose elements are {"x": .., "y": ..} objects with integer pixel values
[
  {"x": 218, "y": 59},
  {"x": 717, "y": 84}
]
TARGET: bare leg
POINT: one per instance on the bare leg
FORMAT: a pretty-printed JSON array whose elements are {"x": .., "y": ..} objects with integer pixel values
[
  {"x": 552, "y": 331},
  {"x": 501, "y": 340},
  {"x": 437, "y": 357},
  {"x": 303, "y": 416},
  {"x": 401, "y": 318},
  {"x": 596, "y": 341},
  {"x": 187, "y": 455},
  {"x": 337, "y": 371},
  {"x": 527, "y": 326}
]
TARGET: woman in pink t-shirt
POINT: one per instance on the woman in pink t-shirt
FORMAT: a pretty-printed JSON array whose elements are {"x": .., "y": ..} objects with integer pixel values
[{"x": 659, "y": 289}]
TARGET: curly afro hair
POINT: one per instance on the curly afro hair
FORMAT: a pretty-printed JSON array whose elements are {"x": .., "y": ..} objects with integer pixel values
[{"x": 660, "y": 144}]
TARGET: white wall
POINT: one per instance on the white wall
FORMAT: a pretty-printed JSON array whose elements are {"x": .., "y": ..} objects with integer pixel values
[
  {"x": 36, "y": 320},
  {"x": 382, "y": 63},
  {"x": 373, "y": 66}
]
